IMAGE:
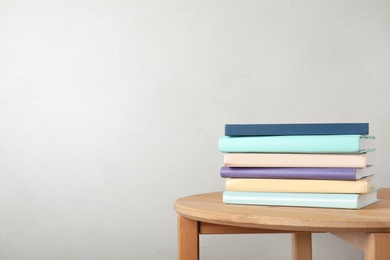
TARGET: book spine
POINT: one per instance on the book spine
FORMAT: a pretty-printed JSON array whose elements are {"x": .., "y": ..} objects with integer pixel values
[
  {"x": 289, "y": 173},
  {"x": 291, "y": 199},
  {"x": 295, "y": 160},
  {"x": 295, "y": 185},
  {"x": 291, "y": 144},
  {"x": 297, "y": 129}
]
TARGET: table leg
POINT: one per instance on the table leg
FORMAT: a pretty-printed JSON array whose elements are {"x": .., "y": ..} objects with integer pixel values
[
  {"x": 377, "y": 246},
  {"x": 188, "y": 239},
  {"x": 301, "y": 243}
]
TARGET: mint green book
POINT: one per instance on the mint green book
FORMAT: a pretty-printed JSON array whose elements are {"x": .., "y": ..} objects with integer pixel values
[
  {"x": 317, "y": 200},
  {"x": 297, "y": 144}
]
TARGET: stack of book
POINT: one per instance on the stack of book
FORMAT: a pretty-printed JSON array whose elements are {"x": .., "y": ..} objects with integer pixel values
[{"x": 307, "y": 165}]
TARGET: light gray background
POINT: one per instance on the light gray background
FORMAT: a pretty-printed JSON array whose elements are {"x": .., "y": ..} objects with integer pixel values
[{"x": 110, "y": 110}]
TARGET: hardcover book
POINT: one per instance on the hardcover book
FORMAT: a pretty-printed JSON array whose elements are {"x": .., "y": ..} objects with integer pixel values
[
  {"x": 296, "y": 185},
  {"x": 297, "y": 129},
  {"x": 298, "y": 160},
  {"x": 297, "y": 144},
  {"x": 322, "y": 200},
  {"x": 296, "y": 173}
]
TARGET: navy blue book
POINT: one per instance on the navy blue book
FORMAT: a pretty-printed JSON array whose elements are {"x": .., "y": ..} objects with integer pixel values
[{"x": 297, "y": 129}]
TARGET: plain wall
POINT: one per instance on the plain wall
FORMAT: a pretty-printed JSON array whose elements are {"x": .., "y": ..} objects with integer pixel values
[{"x": 110, "y": 110}]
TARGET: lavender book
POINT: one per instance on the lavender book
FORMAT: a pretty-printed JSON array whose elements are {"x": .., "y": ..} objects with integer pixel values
[{"x": 296, "y": 173}]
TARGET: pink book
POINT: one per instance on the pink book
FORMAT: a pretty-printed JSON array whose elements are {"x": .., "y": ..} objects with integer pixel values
[{"x": 297, "y": 160}]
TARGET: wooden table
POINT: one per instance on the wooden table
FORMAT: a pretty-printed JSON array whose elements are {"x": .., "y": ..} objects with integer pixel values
[{"x": 367, "y": 228}]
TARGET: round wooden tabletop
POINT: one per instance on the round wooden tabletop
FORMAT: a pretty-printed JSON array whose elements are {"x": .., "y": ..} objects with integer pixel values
[{"x": 209, "y": 208}]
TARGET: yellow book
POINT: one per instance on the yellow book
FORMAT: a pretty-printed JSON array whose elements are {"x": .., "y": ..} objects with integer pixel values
[{"x": 298, "y": 185}]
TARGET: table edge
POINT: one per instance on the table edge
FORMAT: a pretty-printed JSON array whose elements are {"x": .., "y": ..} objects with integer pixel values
[{"x": 217, "y": 218}]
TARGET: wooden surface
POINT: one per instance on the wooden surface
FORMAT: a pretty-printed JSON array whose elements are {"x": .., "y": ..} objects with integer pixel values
[{"x": 209, "y": 208}]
